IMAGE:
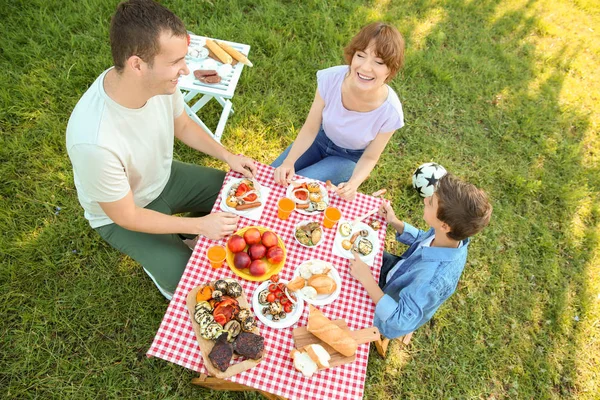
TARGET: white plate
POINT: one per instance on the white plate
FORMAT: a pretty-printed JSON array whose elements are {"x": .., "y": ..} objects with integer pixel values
[
  {"x": 197, "y": 53},
  {"x": 321, "y": 299},
  {"x": 324, "y": 195},
  {"x": 304, "y": 222},
  {"x": 224, "y": 205},
  {"x": 340, "y": 251},
  {"x": 291, "y": 318}
]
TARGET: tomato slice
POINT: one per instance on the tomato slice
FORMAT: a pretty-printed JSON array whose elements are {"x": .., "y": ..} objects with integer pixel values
[
  {"x": 251, "y": 197},
  {"x": 301, "y": 195},
  {"x": 242, "y": 188}
]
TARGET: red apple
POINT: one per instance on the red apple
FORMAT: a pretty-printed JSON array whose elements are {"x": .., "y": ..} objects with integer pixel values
[
  {"x": 258, "y": 267},
  {"x": 236, "y": 243},
  {"x": 275, "y": 255},
  {"x": 269, "y": 239},
  {"x": 257, "y": 251},
  {"x": 252, "y": 236},
  {"x": 241, "y": 260}
]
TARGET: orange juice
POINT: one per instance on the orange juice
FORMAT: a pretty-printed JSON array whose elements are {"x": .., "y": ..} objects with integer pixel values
[
  {"x": 331, "y": 216},
  {"x": 216, "y": 255},
  {"x": 285, "y": 207}
]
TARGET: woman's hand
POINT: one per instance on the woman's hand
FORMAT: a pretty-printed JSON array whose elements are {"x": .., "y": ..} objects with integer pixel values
[
  {"x": 347, "y": 190},
  {"x": 283, "y": 174},
  {"x": 243, "y": 165}
]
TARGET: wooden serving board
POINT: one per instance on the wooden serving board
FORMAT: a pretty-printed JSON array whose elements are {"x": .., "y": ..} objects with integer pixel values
[
  {"x": 302, "y": 338},
  {"x": 207, "y": 345}
]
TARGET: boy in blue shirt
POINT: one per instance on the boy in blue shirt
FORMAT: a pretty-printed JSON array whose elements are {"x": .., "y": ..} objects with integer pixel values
[{"x": 413, "y": 286}]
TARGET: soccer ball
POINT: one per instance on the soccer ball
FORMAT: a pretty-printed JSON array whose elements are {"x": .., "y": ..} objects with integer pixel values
[{"x": 425, "y": 178}]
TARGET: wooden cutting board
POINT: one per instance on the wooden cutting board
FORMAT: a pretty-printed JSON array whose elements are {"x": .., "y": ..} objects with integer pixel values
[
  {"x": 302, "y": 338},
  {"x": 207, "y": 345}
]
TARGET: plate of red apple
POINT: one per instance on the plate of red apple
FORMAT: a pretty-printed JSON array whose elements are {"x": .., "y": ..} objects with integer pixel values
[{"x": 255, "y": 253}]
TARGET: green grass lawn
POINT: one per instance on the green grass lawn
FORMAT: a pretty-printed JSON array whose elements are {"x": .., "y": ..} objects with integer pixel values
[{"x": 504, "y": 93}]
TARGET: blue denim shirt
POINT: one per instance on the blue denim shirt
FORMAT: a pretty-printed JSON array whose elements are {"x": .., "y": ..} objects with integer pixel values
[{"x": 425, "y": 280}]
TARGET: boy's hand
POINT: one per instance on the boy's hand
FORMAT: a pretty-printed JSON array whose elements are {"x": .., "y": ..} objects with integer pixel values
[
  {"x": 358, "y": 269},
  {"x": 387, "y": 212}
]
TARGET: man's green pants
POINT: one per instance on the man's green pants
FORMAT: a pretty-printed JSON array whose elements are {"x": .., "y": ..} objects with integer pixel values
[{"x": 191, "y": 189}]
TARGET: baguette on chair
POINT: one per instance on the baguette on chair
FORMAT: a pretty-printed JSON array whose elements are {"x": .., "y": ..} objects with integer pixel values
[{"x": 320, "y": 326}]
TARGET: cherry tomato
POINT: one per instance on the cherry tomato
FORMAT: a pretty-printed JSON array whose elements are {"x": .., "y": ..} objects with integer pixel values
[
  {"x": 271, "y": 297},
  {"x": 281, "y": 286},
  {"x": 274, "y": 278},
  {"x": 291, "y": 296},
  {"x": 288, "y": 308},
  {"x": 279, "y": 294},
  {"x": 273, "y": 287},
  {"x": 284, "y": 300}
]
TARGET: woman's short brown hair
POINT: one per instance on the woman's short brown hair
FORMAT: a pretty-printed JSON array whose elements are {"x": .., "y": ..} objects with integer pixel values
[
  {"x": 389, "y": 45},
  {"x": 462, "y": 206},
  {"x": 135, "y": 29}
]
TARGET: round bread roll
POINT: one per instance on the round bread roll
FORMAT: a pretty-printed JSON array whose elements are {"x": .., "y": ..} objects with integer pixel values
[{"x": 323, "y": 284}]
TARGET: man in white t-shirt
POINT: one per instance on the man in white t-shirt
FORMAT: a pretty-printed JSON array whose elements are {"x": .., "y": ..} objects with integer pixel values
[{"x": 120, "y": 140}]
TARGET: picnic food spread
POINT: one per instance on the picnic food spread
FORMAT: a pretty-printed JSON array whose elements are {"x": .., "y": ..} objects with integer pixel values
[
  {"x": 277, "y": 302},
  {"x": 243, "y": 195},
  {"x": 356, "y": 237},
  {"x": 276, "y": 369},
  {"x": 255, "y": 253},
  {"x": 320, "y": 326},
  {"x": 310, "y": 358},
  {"x": 224, "y": 325},
  {"x": 308, "y": 233},
  {"x": 274, "y": 305},
  {"x": 315, "y": 281},
  {"x": 310, "y": 197}
]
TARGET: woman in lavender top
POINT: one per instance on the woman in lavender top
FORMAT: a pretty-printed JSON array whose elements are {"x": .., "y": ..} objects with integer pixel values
[{"x": 353, "y": 115}]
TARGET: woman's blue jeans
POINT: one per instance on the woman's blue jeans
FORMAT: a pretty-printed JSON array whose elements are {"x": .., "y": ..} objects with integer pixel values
[{"x": 324, "y": 160}]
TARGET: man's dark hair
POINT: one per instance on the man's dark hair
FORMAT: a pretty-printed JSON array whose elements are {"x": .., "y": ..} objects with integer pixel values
[
  {"x": 135, "y": 30},
  {"x": 462, "y": 206}
]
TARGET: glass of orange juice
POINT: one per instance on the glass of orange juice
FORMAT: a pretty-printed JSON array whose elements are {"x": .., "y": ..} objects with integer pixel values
[
  {"x": 285, "y": 207},
  {"x": 216, "y": 255},
  {"x": 331, "y": 216}
]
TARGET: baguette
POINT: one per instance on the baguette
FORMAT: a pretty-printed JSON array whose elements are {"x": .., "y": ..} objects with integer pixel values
[
  {"x": 235, "y": 54},
  {"x": 318, "y": 354},
  {"x": 219, "y": 52},
  {"x": 320, "y": 326}
]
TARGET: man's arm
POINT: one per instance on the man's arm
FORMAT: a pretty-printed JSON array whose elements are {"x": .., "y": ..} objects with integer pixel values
[
  {"x": 126, "y": 214},
  {"x": 197, "y": 138}
]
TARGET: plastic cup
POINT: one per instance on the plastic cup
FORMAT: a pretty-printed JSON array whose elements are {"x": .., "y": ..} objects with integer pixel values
[
  {"x": 331, "y": 216},
  {"x": 216, "y": 255},
  {"x": 285, "y": 207}
]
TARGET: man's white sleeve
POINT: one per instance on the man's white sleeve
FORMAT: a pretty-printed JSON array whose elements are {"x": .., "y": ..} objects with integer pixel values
[{"x": 99, "y": 173}]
